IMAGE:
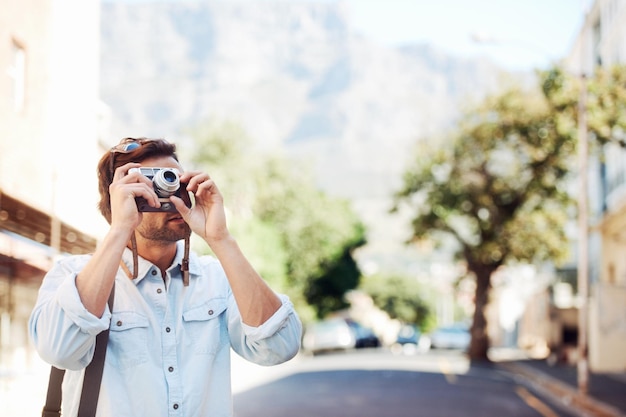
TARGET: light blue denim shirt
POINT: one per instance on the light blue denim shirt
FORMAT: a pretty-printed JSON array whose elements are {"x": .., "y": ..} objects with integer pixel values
[{"x": 169, "y": 345}]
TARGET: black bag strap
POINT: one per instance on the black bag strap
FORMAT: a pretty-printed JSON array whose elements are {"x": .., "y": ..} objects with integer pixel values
[
  {"x": 91, "y": 382},
  {"x": 52, "y": 408}
]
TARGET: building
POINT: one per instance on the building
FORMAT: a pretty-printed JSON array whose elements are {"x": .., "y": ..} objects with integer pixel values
[
  {"x": 602, "y": 43},
  {"x": 49, "y": 146}
]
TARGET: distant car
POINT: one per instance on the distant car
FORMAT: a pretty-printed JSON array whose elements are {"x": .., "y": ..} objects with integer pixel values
[
  {"x": 408, "y": 334},
  {"x": 364, "y": 336},
  {"x": 410, "y": 341},
  {"x": 456, "y": 336},
  {"x": 328, "y": 335}
]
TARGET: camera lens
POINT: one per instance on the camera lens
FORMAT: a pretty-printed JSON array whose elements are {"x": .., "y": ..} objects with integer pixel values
[
  {"x": 166, "y": 182},
  {"x": 170, "y": 176}
]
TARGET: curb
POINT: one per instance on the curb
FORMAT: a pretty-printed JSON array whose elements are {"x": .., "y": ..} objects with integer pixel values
[{"x": 569, "y": 395}]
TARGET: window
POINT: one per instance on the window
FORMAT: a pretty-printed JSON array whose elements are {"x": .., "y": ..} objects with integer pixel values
[{"x": 17, "y": 72}]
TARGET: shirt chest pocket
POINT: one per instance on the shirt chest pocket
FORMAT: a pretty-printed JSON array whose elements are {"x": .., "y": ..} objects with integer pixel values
[
  {"x": 128, "y": 339},
  {"x": 205, "y": 327}
]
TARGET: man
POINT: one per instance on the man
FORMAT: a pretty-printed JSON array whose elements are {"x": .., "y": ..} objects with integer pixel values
[{"x": 175, "y": 316}]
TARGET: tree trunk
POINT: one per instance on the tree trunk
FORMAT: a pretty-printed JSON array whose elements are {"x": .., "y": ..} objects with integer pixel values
[{"x": 479, "y": 344}]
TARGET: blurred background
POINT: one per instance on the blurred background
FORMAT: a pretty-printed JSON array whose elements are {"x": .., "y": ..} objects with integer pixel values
[{"x": 333, "y": 127}]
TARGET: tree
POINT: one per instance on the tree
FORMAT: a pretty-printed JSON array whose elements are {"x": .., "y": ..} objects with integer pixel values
[
  {"x": 606, "y": 102},
  {"x": 498, "y": 185},
  {"x": 320, "y": 234},
  {"x": 402, "y": 298},
  {"x": 225, "y": 151},
  {"x": 300, "y": 239},
  {"x": 327, "y": 291}
]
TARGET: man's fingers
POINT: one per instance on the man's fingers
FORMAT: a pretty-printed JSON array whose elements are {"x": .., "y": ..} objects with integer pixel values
[
  {"x": 180, "y": 206},
  {"x": 194, "y": 179},
  {"x": 122, "y": 171},
  {"x": 138, "y": 189}
]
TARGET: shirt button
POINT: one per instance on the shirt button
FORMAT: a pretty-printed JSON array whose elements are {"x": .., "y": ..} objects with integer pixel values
[
  {"x": 159, "y": 291},
  {"x": 171, "y": 369},
  {"x": 119, "y": 323},
  {"x": 154, "y": 272},
  {"x": 167, "y": 329},
  {"x": 175, "y": 406},
  {"x": 210, "y": 312}
]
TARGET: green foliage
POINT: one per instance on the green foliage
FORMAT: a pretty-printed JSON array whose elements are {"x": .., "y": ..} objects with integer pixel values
[
  {"x": 403, "y": 298},
  {"x": 264, "y": 248},
  {"x": 319, "y": 233},
  {"x": 299, "y": 238},
  {"x": 605, "y": 98},
  {"x": 495, "y": 181},
  {"x": 327, "y": 291}
]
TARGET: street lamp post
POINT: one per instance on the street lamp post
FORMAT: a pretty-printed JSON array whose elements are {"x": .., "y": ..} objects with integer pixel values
[
  {"x": 583, "y": 220},
  {"x": 583, "y": 238}
]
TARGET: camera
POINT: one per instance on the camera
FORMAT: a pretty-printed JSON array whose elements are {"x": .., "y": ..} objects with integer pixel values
[{"x": 166, "y": 182}]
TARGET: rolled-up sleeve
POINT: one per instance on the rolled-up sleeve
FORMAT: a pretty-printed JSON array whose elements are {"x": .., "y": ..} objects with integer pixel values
[
  {"x": 61, "y": 328},
  {"x": 69, "y": 302},
  {"x": 275, "y": 341}
]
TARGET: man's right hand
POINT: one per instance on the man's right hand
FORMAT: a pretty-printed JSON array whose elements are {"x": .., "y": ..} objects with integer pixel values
[{"x": 123, "y": 191}]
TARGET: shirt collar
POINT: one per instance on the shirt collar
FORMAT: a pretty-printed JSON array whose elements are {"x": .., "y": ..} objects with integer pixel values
[{"x": 145, "y": 266}]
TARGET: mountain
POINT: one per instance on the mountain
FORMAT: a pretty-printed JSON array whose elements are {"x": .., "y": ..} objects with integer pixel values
[{"x": 297, "y": 78}]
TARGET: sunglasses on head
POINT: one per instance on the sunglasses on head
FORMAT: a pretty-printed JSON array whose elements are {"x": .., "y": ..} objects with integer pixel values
[{"x": 127, "y": 145}]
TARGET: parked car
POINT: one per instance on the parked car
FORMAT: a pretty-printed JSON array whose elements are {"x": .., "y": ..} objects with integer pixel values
[
  {"x": 410, "y": 341},
  {"x": 456, "y": 336},
  {"x": 328, "y": 335},
  {"x": 408, "y": 334},
  {"x": 364, "y": 336}
]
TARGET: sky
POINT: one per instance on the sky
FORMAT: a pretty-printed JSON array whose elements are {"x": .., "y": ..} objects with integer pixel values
[
  {"x": 520, "y": 34},
  {"x": 516, "y": 34}
]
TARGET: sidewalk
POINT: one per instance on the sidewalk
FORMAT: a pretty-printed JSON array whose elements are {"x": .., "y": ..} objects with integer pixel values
[{"x": 606, "y": 395}]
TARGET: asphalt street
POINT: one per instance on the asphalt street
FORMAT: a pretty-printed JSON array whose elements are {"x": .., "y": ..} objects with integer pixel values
[{"x": 375, "y": 383}]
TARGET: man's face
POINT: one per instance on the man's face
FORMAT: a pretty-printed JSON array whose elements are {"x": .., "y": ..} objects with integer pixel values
[{"x": 162, "y": 226}]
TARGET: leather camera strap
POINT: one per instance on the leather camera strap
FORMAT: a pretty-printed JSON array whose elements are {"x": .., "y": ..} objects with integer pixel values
[{"x": 91, "y": 382}]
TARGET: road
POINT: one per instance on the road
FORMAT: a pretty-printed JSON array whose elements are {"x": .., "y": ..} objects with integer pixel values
[
  {"x": 366, "y": 383},
  {"x": 376, "y": 383}
]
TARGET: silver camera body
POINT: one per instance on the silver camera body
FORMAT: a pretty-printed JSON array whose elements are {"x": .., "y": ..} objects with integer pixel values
[{"x": 166, "y": 182}]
